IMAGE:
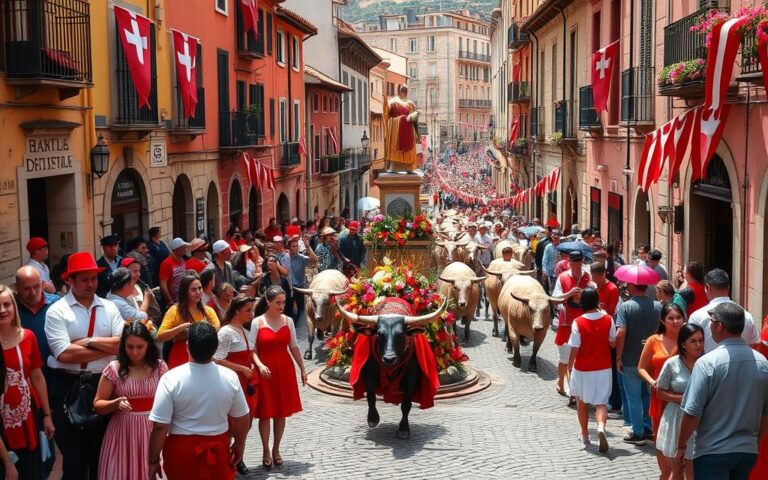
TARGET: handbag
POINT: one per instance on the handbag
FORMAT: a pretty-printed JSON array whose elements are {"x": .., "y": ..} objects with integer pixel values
[{"x": 78, "y": 401}]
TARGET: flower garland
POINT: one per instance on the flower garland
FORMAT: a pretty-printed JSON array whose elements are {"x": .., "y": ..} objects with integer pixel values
[
  {"x": 399, "y": 282},
  {"x": 400, "y": 230}
]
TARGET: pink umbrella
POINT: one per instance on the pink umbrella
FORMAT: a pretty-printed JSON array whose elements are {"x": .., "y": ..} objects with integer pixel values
[{"x": 637, "y": 275}]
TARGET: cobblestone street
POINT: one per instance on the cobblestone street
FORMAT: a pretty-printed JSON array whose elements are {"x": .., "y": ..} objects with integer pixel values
[{"x": 517, "y": 428}]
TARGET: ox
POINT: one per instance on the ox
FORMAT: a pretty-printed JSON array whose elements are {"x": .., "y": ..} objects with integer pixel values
[
  {"x": 320, "y": 313},
  {"x": 498, "y": 273},
  {"x": 447, "y": 251},
  {"x": 526, "y": 309},
  {"x": 521, "y": 253},
  {"x": 459, "y": 283},
  {"x": 392, "y": 358}
]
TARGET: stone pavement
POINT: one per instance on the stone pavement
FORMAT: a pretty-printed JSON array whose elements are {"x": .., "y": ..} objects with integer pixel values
[{"x": 517, "y": 428}]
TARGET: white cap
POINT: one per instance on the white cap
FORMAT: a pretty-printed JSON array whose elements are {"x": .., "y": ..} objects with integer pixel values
[
  {"x": 178, "y": 243},
  {"x": 219, "y": 246}
]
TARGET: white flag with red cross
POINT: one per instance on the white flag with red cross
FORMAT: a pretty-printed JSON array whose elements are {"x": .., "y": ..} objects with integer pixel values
[{"x": 134, "y": 30}]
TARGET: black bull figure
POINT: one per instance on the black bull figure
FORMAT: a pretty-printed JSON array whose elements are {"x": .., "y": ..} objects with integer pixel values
[{"x": 391, "y": 353}]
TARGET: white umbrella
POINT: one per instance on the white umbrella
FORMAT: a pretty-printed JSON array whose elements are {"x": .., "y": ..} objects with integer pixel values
[{"x": 368, "y": 203}]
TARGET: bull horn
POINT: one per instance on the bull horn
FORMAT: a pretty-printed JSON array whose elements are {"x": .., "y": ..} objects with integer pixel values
[
  {"x": 525, "y": 272},
  {"x": 446, "y": 280},
  {"x": 305, "y": 291},
  {"x": 489, "y": 272},
  {"x": 440, "y": 243},
  {"x": 479, "y": 279},
  {"x": 520, "y": 299},
  {"x": 357, "y": 319},
  {"x": 338, "y": 292},
  {"x": 415, "y": 321},
  {"x": 462, "y": 244}
]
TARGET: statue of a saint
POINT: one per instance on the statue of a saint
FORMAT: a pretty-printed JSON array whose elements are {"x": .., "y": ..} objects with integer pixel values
[{"x": 401, "y": 132}]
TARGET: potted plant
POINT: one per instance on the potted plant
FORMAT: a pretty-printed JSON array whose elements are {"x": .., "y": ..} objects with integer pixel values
[{"x": 556, "y": 138}]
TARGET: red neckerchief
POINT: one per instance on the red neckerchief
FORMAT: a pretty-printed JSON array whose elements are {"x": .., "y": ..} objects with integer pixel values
[{"x": 392, "y": 374}]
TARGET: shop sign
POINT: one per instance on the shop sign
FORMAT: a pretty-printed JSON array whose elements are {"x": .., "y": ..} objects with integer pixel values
[
  {"x": 125, "y": 190},
  {"x": 48, "y": 154},
  {"x": 157, "y": 154},
  {"x": 199, "y": 217}
]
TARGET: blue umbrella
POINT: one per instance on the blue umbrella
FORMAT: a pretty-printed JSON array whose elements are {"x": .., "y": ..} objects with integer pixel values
[
  {"x": 530, "y": 231},
  {"x": 582, "y": 247}
]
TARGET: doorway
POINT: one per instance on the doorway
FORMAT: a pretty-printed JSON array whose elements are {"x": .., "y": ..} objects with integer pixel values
[
  {"x": 53, "y": 212},
  {"x": 183, "y": 209},
  {"x": 254, "y": 209},
  {"x": 128, "y": 206},
  {"x": 642, "y": 220},
  {"x": 283, "y": 209},
  {"x": 235, "y": 204},
  {"x": 711, "y": 238},
  {"x": 212, "y": 213}
]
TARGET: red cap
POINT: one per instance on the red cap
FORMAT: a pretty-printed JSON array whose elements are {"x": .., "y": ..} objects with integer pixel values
[
  {"x": 81, "y": 262},
  {"x": 354, "y": 224},
  {"x": 127, "y": 261},
  {"x": 36, "y": 243},
  {"x": 292, "y": 230},
  {"x": 552, "y": 222}
]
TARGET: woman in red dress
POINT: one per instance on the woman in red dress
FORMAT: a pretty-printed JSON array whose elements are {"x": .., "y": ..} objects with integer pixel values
[
  {"x": 236, "y": 343},
  {"x": 278, "y": 393},
  {"x": 25, "y": 391}
]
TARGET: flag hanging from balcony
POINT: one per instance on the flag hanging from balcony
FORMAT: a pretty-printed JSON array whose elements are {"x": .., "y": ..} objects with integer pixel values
[
  {"x": 708, "y": 128},
  {"x": 762, "y": 54},
  {"x": 250, "y": 12},
  {"x": 334, "y": 141},
  {"x": 513, "y": 132},
  {"x": 603, "y": 62},
  {"x": 185, "y": 55},
  {"x": 649, "y": 161},
  {"x": 681, "y": 138},
  {"x": 134, "y": 31},
  {"x": 302, "y": 147},
  {"x": 268, "y": 177},
  {"x": 726, "y": 39}
]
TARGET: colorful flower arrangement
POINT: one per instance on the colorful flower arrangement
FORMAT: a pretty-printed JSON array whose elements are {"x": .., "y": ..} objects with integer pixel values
[
  {"x": 384, "y": 229},
  {"x": 402, "y": 282},
  {"x": 682, "y": 72}
]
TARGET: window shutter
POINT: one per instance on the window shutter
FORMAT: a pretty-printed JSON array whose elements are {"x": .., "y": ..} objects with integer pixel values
[
  {"x": 269, "y": 34},
  {"x": 646, "y": 33},
  {"x": 272, "y": 117}
]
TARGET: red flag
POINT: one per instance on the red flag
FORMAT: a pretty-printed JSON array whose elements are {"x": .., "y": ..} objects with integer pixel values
[
  {"x": 553, "y": 180},
  {"x": 255, "y": 167},
  {"x": 268, "y": 177},
  {"x": 649, "y": 161},
  {"x": 302, "y": 147},
  {"x": 726, "y": 38},
  {"x": 513, "y": 132},
  {"x": 666, "y": 145},
  {"x": 708, "y": 128},
  {"x": 247, "y": 162},
  {"x": 185, "y": 48},
  {"x": 516, "y": 72},
  {"x": 250, "y": 12},
  {"x": 681, "y": 139},
  {"x": 762, "y": 55},
  {"x": 541, "y": 187},
  {"x": 334, "y": 141},
  {"x": 133, "y": 30},
  {"x": 603, "y": 62}
]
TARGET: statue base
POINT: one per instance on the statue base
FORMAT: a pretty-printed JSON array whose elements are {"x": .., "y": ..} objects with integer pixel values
[
  {"x": 399, "y": 193},
  {"x": 416, "y": 253}
]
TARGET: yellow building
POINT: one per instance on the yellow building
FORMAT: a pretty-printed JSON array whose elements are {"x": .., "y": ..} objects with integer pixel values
[{"x": 46, "y": 76}]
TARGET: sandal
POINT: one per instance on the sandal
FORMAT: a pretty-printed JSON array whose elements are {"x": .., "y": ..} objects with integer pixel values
[
  {"x": 561, "y": 391},
  {"x": 267, "y": 463},
  {"x": 278, "y": 461}
]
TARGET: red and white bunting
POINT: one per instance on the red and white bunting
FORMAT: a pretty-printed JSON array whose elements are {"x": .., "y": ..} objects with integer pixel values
[
  {"x": 666, "y": 145},
  {"x": 603, "y": 62},
  {"x": 708, "y": 129},
  {"x": 134, "y": 30},
  {"x": 681, "y": 138},
  {"x": 257, "y": 179},
  {"x": 726, "y": 39},
  {"x": 302, "y": 147},
  {"x": 334, "y": 141},
  {"x": 247, "y": 162},
  {"x": 553, "y": 180},
  {"x": 185, "y": 55},
  {"x": 513, "y": 132},
  {"x": 268, "y": 177},
  {"x": 250, "y": 11},
  {"x": 649, "y": 161}
]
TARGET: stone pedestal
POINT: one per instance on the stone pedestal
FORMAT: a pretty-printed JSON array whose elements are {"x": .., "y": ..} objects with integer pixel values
[
  {"x": 416, "y": 253},
  {"x": 399, "y": 194}
]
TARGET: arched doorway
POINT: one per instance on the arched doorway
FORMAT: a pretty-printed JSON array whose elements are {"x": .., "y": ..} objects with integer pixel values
[
  {"x": 642, "y": 219},
  {"x": 183, "y": 208},
  {"x": 283, "y": 209},
  {"x": 212, "y": 213},
  {"x": 711, "y": 219},
  {"x": 254, "y": 209},
  {"x": 298, "y": 204},
  {"x": 128, "y": 206},
  {"x": 235, "y": 204}
]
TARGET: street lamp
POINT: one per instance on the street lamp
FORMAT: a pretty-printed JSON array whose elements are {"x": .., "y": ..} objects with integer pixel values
[
  {"x": 100, "y": 158},
  {"x": 364, "y": 141}
]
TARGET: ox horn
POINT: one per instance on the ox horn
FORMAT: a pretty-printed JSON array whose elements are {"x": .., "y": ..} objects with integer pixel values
[
  {"x": 489, "y": 272},
  {"x": 446, "y": 280},
  {"x": 305, "y": 291},
  {"x": 357, "y": 319},
  {"x": 462, "y": 244},
  {"x": 525, "y": 272},
  {"x": 337, "y": 292},
  {"x": 415, "y": 321},
  {"x": 479, "y": 279},
  {"x": 520, "y": 299}
]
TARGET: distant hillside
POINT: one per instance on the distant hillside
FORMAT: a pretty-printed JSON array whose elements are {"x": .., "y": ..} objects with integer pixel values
[{"x": 369, "y": 10}]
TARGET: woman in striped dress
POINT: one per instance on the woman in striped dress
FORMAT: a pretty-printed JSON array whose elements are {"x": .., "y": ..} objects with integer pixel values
[{"x": 126, "y": 390}]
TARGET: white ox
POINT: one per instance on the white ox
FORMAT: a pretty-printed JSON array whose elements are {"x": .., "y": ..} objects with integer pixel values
[
  {"x": 321, "y": 315},
  {"x": 498, "y": 272},
  {"x": 459, "y": 285}
]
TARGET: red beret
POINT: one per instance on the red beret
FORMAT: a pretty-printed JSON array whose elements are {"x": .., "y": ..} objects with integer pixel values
[
  {"x": 36, "y": 243},
  {"x": 354, "y": 224},
  {"x": 127, "y": 261}
]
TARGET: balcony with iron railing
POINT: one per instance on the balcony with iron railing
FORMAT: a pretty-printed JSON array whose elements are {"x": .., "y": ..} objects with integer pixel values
[
  {"x": 289, "y": 154},
  {"x": 331, "y": 164},
  {"x": 241, "y": 129},
  {"x": 48, "y": 43},
  {"x": 129, "y": 116},
  {"x": 478, "y": 57},
  {"x": 516, "y": 38},
  {"x": 588, "y": 118},
  {"x": 195, "y": 124},
  {"x": 683, "y": 45},
  {"x": 751, "y": 70},
  {"x": 637, "y": 95},
  {"x": 563, "y": 118},
  {"x": 519, "y": 92}
]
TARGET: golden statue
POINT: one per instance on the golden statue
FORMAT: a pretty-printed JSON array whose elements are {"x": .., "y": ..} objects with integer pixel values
[{"x": 401, "y": 132}]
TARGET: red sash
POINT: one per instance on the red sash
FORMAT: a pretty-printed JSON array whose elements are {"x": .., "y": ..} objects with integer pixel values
[
  {"x": 141, "y": 405},
  {"x": 178, "y": 354},
  {"x": 244, "y": 358},
  {"x": 187, "y": 457}
]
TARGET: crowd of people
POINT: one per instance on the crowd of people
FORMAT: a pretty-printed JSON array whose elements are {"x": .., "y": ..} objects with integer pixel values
[{"x": 113, "y": 362}]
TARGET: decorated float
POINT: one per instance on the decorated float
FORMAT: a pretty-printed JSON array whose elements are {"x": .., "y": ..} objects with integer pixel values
[{"x": 403, "y": 241}]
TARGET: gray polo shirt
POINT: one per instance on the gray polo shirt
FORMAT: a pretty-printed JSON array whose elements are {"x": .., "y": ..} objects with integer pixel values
[
  {"x": 728, "y": 390},
  {"x": 297, "y": 273},
  {"x": 639, "y": 317}
]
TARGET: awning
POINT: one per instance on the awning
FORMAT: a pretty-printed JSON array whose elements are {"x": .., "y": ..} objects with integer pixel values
[{"x": 312, "y": 76}]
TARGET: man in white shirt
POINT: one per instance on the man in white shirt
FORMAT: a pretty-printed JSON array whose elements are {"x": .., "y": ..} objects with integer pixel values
[
  {"x": 482, "y": 238},
  {"x": 198, "y": 407},
  {"x": 38, "y": 254},
  {"x": 83, "y": 333},
  {"x": 716, "y": 285}
]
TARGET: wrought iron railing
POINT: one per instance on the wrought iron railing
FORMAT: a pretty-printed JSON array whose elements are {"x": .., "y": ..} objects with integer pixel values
[
  {"x": 680, "y": 43},
  {"x": 466, "y": 55},
  {"x": 563, "y": 118},
  {"x": 289, "y": 154},
  {"x": 128, "y": 111},
  {"x": 330, "y": 164},
  {"x": 48, "y": 39},
  {"x": 519, "y": 92},
  {"x": 515, "y": 37},
  {"x": 588, "y": 118},
  {"x": 197, "y": 120},
  {"x": 637, "y": 86},
  {"x": 750, "y": 64},
  {"x": 240, "y": 129}
]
